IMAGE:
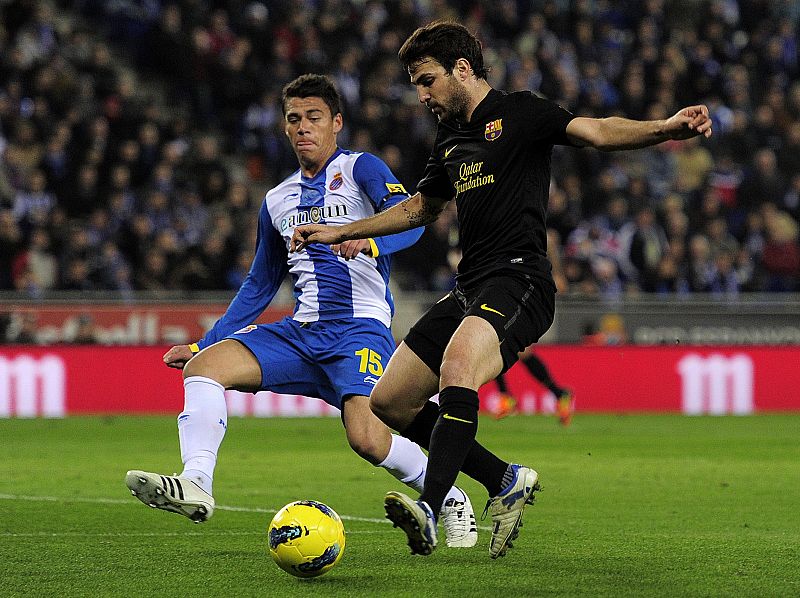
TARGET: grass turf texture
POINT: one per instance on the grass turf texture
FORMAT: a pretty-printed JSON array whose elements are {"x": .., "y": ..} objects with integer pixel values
[{"x": 634, "y": 505}]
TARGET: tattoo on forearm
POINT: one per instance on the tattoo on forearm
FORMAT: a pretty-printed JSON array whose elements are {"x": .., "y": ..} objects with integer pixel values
[
  {"x": 421, "y": 215},
  {"x": 415, "y": 217}
]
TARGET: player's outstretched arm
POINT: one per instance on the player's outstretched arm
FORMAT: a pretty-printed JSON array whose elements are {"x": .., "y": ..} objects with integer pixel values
[
  {"x": 177, "y": 356},
  {"x": 616, "y": 133},
  {"x": 415, "y": 211}
]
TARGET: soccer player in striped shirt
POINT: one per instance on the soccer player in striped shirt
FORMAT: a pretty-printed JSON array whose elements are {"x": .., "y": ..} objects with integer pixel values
[{"x": 338, "y": 341}]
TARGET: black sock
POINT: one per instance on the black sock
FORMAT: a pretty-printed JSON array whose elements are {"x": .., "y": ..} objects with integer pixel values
[
  {"x": 539, "y": 370},
  {"x": 421, "y": 428},
  {"x": 485, "y": 467},
  {"x": 451, "y": 440},
  {"x": 480, "y": 464},
  {"x": 501, "y": 384}
]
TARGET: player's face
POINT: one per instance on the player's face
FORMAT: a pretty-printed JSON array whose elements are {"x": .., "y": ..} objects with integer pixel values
[
  {"x": 311, "y": 129},
  {"x": 439, "y": 90}
]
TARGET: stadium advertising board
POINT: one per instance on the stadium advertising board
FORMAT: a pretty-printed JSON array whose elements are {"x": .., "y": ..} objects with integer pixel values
[
  {"x": 61, "y": 381},
  {"x": 142, "y": 324},
  {"x": 747, "y": 321}
]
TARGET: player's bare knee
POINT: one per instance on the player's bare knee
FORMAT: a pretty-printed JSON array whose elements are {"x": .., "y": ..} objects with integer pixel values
[
  {"x": 199, "y": 365},
  {"x": 456, "y": 372},
  {"x": 193, "y": 367},
  {"x": 379, "y": 408},
  {"x": 382, "y": 405}
]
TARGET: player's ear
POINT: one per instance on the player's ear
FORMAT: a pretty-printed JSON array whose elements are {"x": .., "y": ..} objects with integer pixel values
[
  {"x": 338, "y": 122},
  {"x": 462, "y": 69}
]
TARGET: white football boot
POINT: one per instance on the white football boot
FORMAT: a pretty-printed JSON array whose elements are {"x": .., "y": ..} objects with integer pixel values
[
  {"x": 506, "y": 509},
  {"x": 171, "y": 493},
  {"x": 458, "y": 520},
  {"x": 415, "y": 518}
]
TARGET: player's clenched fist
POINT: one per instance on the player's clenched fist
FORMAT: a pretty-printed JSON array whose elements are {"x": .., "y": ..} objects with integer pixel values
[
  {"x": 178, "y": 356},
  {"x": 313, "y": 233},
  {"x": 690, "y": 122}
]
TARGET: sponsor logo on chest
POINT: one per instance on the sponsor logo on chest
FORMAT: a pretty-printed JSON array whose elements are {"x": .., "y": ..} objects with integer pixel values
[
  {"x": 470, "y": 176},
  {"x": 313, "y": 215}
]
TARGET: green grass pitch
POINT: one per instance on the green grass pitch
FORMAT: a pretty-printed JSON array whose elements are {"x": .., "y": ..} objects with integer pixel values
[{"x": 632, "y": 506}]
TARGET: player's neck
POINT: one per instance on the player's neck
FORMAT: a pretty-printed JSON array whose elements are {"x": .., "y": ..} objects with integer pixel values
[
  {"x": 477, "y": 92},
  {"x": 310, "y": 168}
]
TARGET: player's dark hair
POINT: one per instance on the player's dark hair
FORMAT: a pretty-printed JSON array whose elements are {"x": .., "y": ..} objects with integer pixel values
[
  {"x": 445, "y": 42},
  {"x": 317, "y": 86}
]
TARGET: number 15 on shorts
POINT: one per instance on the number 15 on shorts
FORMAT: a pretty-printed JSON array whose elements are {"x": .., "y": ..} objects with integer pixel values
[{"x": 370, "y": 362}]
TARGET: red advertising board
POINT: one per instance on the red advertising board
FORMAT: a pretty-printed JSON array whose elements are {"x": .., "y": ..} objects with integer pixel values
[
  {"x": 691, "y": 380},
  {"x": 139, "y": 324},
  {"x": 65, "y": 380}
]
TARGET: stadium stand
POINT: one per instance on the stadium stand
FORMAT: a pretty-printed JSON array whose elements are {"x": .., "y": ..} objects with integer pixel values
[{"x": 137, "y": 137}]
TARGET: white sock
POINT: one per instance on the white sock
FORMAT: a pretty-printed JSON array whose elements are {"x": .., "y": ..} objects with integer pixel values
[
  {"x": 201, "y": 428},
  {"x": 408, "y": 463}
]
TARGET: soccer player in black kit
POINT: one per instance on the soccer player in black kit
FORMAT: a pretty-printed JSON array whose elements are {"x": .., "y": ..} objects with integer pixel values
[{"x": 492, "y": 155}]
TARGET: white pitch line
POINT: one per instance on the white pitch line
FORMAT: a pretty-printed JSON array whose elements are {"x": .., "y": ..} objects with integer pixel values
[
  {"x": 113, "y": 501},
  {"x": 120, "y": 501}
]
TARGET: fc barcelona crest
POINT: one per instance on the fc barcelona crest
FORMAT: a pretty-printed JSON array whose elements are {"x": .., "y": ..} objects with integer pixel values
[{"x": 494, "y": 129}]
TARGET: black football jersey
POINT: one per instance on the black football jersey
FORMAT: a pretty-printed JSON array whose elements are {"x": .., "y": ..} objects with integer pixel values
[{"x": 497, "y": 167}]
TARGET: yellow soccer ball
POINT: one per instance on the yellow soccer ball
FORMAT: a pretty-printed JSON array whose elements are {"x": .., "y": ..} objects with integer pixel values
[{"x": 306, "y": 538}]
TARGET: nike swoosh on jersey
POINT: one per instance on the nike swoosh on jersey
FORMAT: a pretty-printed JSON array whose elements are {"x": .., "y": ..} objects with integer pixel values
[
  {"x": 485, "y": 307},
  {"x": 447, "y": 152},
  {"x": 458, "y": 419}
]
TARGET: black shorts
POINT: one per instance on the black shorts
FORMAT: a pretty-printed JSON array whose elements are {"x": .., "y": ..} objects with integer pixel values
[{"x": 519, "y": 308}]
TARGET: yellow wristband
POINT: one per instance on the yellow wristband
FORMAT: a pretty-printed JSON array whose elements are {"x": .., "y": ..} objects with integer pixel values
[
  {"x": 194, "y": 348},
  {"x": 373, "y": 247}
]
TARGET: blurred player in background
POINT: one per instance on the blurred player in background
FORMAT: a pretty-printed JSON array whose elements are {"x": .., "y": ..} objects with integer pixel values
[
  {"x": 536, "y": 367},
  {"x": 492, "y": 155},
  {"x": 336, "y": 345}
]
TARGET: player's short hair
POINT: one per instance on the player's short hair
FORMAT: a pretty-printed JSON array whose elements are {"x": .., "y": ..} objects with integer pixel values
[
  {"x": 310, "y": 85},
  {"x": 445, "y": 42}
]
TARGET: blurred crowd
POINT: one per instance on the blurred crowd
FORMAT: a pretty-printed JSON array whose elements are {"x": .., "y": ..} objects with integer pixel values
[{"x": 138, "y": 136}]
